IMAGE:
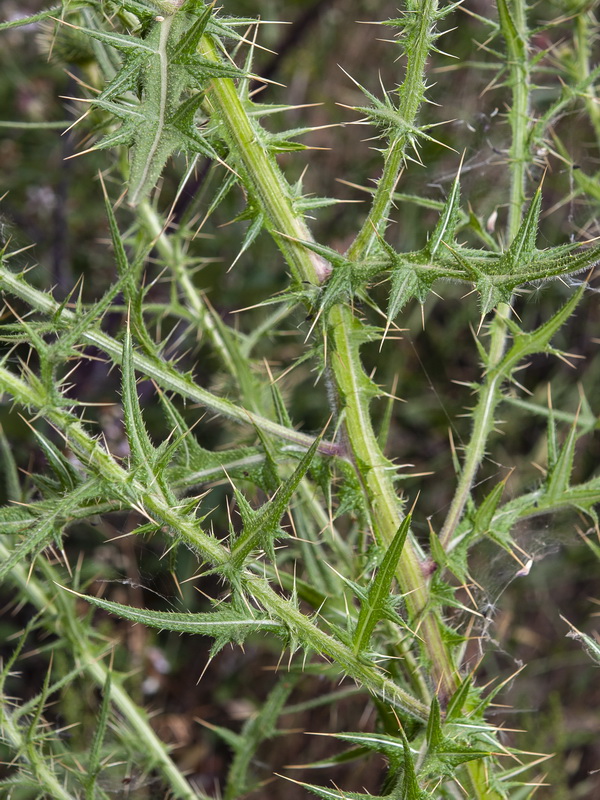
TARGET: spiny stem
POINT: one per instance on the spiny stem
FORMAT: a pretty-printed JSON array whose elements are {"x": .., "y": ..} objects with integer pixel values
[
  {"x": 175, "y": 259},
  {"x": 411, "y": 99},
  {"x": 100, "y": 462},
  {"x": 42, "y": 771},
  {"x": 165, "y": 375},
  {"x": 483, "y": 423},
  {"x": 271, "y": 190},
  {"x": 384, "y": 503},
  {"x": 263, "y": 175},
  {"x": 513, "y": 25},
  {"x": 59, "y": 617}
]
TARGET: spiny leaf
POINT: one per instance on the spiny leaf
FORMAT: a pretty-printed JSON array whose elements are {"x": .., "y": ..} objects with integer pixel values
[
  {"x": 188, "y": 43},
  {"x": 443, "y": 753},
  {"x": 10, "y": 472},
  {"x": 560, "y": 475},
  {"x": 258, "y": 728},
  {"x": 263, "y": 526},
  {"x": 521, "y": 250},
  {"x": 551, "y": 435},
  {"x": 205, "y": 465},
  {"x": 64, "y": 470},
  {"x": 444, "y": 230},
  {"x": 434, "y": 734},
  {"x": 43, "y": 530},
  {"x": 392, "y": 746},
  {"x": 165, "y": 64},
  {"x": 410, "y": 784},
  {"x": 485, "y": 513},
  {"x": 457, "y": 702},
  {"x": 375, "y": 607},
  {"x": 405, "y": 284},
  {"x": 538, "y": 341},
  {"x": 48, "y": 13},
  {"x": 94, "y": 764},
  {"x": 257, "y": 220},
  {"x": 328, "y": 794},
  {"x": 226, "y": 624},
  {"x": 142, "y": 449},
  {"x": 345, "y": 279},
  {"x": 179, "y": 427},
  {"x": 120, "y": 41}
]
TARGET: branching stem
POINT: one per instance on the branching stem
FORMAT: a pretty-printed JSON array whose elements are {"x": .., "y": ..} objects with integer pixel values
[
  {"x": 156, "y": 508},
  {"x": 271, "y": 190}
]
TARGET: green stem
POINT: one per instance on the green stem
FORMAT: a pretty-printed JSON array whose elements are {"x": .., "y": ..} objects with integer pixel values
[
  {"x": 175, "y": 259},
  {"x": 271, "y": 190},
  {"x": 412, "y": 95},
  {"x": 100, "y": 462},
  {"x": 165, "y": 375},
  {"x": 513, "y": 24},
  {"x": 44, "y": 775},
  {"x": 59, "y": 617},
  {"x": 262, "y": 176},
  {"x": 376, "y": 471},
  {"x": 483, "y": 424}
]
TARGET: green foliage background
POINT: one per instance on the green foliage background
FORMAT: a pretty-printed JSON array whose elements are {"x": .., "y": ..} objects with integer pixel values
[{"x": 57, "y": 205}]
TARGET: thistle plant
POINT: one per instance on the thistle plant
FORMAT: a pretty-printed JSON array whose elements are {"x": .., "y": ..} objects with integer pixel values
[{"x": 305, "y": 537}]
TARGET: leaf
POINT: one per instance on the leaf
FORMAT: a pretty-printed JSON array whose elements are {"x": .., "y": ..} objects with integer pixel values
[
  {"x": 434, "y": 734},
  {"x": 142, "y": 449},
  {"x": 482, "y": 521},
  {"x": 406, "y": 282},
  {"x": 443, "y": 753},
  {"x": 410, "y": 785},
  {"x": 457, "y": 702},
  {"x": 328, "y": 794},
  {"x": 10, "y": 473},
  {"x": 43, "y": 530},
  {"x": 521, "y": 250},
  {"x": 375, "y": 606},
  {"x": 590, "y": 645},
  {"x": 257, "y": 729},
  {"x": 227, "y": 624},
  {"x": 389, "y": 745},
  {"x": 538, "y": 341},
  {"x": 262, "y": 527},
  {"x": 67, "y": 475},
  {"x": 560, "y": 475},
  {"x": 120, "y": 41},
  {"x": 94, "y": 764},
  {"x": 446, "y": 225},
  {"x": 188, "y": 43},
  {"x": 48, "y": 13},
  {"x": 166, "y": 66}
]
